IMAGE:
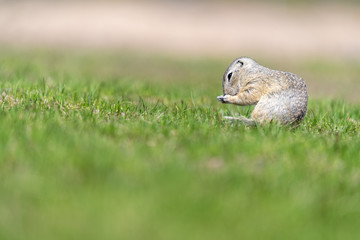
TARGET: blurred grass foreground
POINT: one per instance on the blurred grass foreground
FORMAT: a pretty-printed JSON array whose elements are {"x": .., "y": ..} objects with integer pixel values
[{"x": 124, "y": 139}]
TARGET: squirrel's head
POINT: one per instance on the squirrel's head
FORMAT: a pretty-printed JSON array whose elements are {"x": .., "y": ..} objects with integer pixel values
[{"x": 235, "y": 77}]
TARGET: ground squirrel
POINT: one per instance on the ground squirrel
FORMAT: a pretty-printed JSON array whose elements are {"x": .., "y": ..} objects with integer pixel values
[{"x": 279, "y": 96}]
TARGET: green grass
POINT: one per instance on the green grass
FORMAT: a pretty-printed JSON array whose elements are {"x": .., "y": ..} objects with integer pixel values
[{"x": 124, "y": 146}]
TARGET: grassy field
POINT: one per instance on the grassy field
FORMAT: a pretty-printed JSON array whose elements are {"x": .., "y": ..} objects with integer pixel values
[{"x": 126, "y": 146}]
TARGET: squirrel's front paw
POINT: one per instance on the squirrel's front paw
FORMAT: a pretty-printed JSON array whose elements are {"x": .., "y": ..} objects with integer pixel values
[{"x": 223, "y": 98}]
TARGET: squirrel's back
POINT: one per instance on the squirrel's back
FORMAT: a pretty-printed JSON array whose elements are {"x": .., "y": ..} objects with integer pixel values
[{"x": 286, "y": 103}]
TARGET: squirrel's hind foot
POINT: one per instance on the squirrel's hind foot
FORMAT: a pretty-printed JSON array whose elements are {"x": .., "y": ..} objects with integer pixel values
[{"x": 241, "y": 119}]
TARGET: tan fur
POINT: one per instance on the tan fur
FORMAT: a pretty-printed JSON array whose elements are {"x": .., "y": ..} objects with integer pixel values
[{"x": 279, "y": 96}]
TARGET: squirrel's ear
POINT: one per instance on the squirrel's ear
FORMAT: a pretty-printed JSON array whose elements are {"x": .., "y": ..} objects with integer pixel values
[{"x": 240, "y": 63}]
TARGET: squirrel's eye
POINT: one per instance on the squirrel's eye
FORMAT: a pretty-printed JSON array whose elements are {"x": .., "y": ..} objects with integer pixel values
[
  {"x": 229, "y": 76},
  {"x": 240, "y": 62}
]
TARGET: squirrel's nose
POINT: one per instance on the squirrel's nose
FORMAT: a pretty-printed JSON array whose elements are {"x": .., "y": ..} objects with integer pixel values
[{"x": 229, "y": 76}]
